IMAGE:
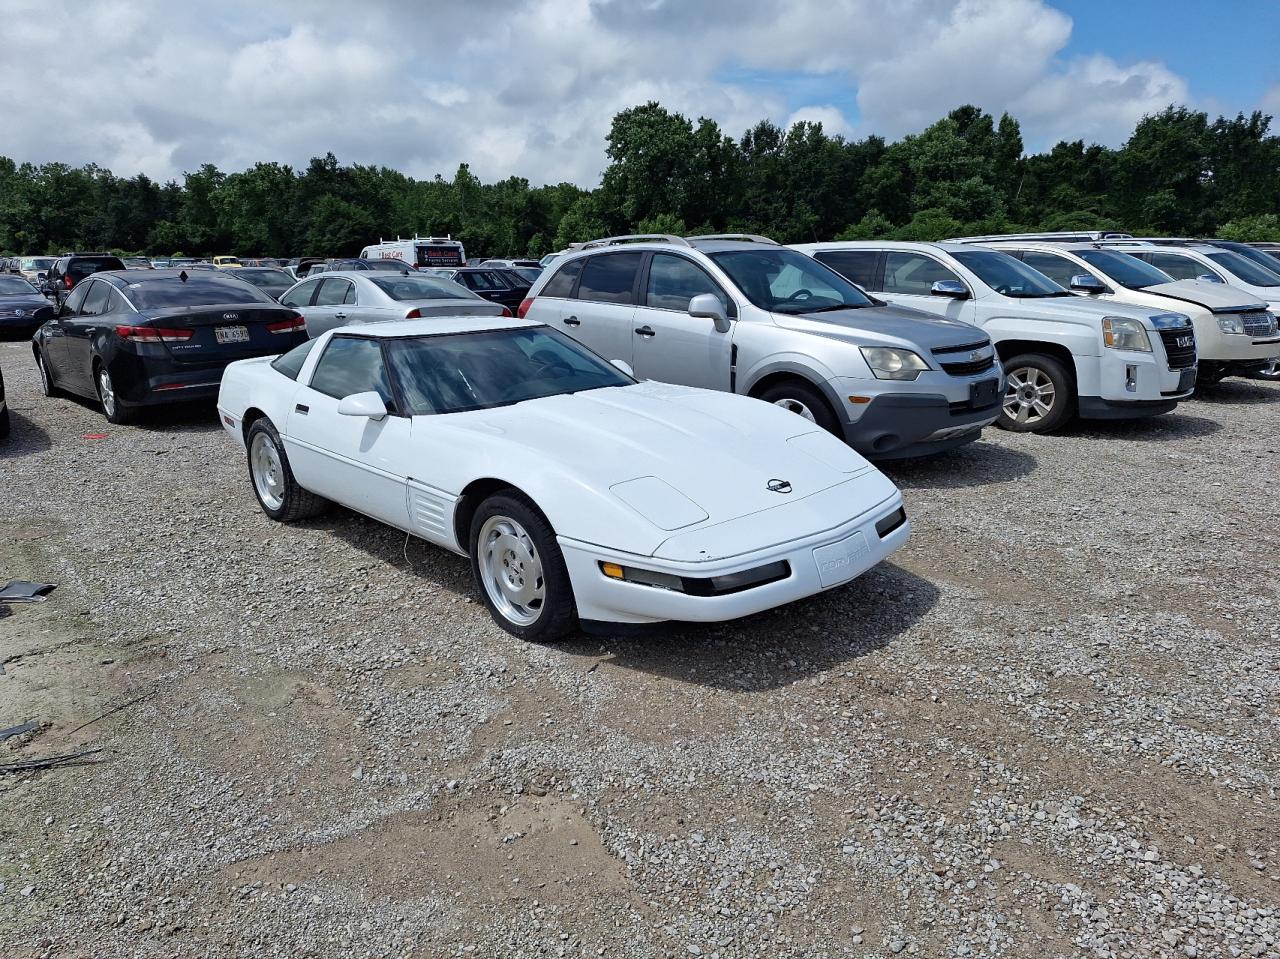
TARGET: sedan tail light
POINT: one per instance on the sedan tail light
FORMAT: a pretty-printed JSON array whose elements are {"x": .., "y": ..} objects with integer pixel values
[
  {"x": 67, "y": 281},
  {"x": 414, "y": 314},
  {"x": 153, "y": 334},
  {"x": 506, "y": 312},
  {"x": 524, "y": 306},
  {"x": 295, "y": 324}
]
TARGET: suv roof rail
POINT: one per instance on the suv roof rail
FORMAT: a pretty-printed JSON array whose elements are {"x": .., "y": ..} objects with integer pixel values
[
  {"x": 744, "y": 237},
  {"x": 1063, "y": 236},
  {"x": 636, "y": 238}
]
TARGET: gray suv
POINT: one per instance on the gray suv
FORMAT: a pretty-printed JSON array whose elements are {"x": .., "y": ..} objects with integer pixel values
[{"x": 743, "y": 314}]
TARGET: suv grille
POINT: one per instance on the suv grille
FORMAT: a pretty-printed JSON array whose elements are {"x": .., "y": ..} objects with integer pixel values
[
  {"x": 1180, "y": 357},
  {"x": 966, "y": 367},
  {"x": 1258, "y": 324}
]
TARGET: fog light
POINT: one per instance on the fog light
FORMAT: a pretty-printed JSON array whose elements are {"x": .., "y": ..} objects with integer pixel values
[{"x": 1131, "y": 378}]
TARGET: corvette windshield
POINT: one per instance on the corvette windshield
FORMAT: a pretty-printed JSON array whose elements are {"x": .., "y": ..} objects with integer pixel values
[
  {"x": 455, "y": 372},
  {"x": 784, "y": 281}
]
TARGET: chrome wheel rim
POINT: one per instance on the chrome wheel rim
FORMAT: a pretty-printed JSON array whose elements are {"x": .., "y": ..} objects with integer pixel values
[
  {"x": 795, "y": 406},
  {"x": 106, "y": 393},
  {"x": 46, "y": 384},
  {"x": 1271, "y": 371},
  {"x": 1029, "y": 395},
  {"x": 511, "y": 571},
  {"x": 267, "y": 470}
]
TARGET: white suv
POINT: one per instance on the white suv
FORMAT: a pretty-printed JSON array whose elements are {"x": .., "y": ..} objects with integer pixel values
[
  {"x": 1234, "y": 334},
  {"x": 1063, "y": 355},
  {"x": 745, "y": 315}
]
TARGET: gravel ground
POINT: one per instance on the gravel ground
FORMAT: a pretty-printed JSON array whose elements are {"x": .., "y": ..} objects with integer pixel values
[{"x": 1050, "y": 727}]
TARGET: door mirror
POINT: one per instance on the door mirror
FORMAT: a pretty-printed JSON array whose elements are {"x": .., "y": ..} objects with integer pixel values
[
  {"x": 1210, "y": 278},
  {"x": 363, "y": 404},
  {"x": 46, "y": 288},
  {"x": 625, "y": 367},
  {"x": 951, "y": 288},
  {"x": 1087, "y": 283},
  {"x": 708, "y": 306}
]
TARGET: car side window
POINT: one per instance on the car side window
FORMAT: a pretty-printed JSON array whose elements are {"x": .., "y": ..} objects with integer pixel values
[
  {"x": 71, "y": 305},
  {"x": 333, "y": 291},
  {"x": 291, "y": 363},
  {"x": 300, "y": 295},
  {"x": 610, "y": 278},
  {"x": 1178, "y": 266},
  {"x": 352, "y": 364},
  {"x": 561, "y": 285},
  {"x": 1057, "y": 268},
  {"x": 913, "y": 274},
  {"x": 95, "y": 302},
  {"x": 674, "y": 281},
  {"x": 117, "y": 303},
  {"x": 856, "y": 266}
]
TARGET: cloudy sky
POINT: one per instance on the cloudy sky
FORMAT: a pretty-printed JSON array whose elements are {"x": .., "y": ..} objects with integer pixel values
[{"x": 528, "y": 86}]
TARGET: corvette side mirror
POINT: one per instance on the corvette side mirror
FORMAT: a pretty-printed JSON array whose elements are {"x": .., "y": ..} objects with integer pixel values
[{"x": 363, "y": 404}]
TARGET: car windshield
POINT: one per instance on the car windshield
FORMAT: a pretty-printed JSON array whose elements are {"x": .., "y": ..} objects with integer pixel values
[
  {"x": 1128, "y": 271},
  {"x": 1243, "y": 269},
  {"x": 401, "y": 287},
  {"x": 785, "y": 281},
  {"x": 1008, "y": 275},
  {"x": 391, "y": 266},
  {"x": 199, "y": 289},
  {"x": 456, "y": 372},
  {"x": 267, "y": 279},
  {"x": 1257, "y": 257},
  {"x": 16, "y": 286},
  {"x": 36, "y": 263}
]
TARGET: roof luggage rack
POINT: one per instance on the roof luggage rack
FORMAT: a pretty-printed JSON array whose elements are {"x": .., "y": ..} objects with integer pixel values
[
  {"x": 636, "y": 238},
  {"x": 744, "y": 237},
  {"x": 1064, "y": 236}
]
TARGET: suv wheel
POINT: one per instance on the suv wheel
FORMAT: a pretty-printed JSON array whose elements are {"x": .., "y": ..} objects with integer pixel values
[
  {"x": 1039, "y": 394},
  {"x": 797, "y": 396}
]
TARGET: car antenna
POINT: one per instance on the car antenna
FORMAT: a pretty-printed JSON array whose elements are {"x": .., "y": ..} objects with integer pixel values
[{"x": 183, "y": 276}]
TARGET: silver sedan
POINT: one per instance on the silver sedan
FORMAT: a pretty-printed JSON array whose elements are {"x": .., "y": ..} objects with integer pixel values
[{"x": 341, "y": 297}]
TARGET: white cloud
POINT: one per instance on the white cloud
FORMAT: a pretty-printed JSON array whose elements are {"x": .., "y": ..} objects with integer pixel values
[
  {"x": 527, "y": 87},
  {"x": 1270, "y": 102}
]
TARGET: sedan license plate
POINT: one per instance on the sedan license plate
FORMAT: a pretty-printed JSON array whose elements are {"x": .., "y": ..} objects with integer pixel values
[
  {"x": 231, "y": 334},
  {"x": 1186, "y": 379},
  {"x": 984, "y": 392}
]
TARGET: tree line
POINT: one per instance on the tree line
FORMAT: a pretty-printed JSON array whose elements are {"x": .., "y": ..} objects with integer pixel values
[{"x": 1178, "y": 174}]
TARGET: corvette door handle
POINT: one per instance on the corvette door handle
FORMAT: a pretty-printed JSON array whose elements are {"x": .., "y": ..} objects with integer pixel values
[
  {"x": 646, "y": 331},
  {"x": 571, "y": 321}
]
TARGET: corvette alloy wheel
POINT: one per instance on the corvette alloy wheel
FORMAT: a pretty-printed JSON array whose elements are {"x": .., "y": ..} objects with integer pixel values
[
  {"x": 511, "y": 570},
  {"x": 268, "y": 472}
]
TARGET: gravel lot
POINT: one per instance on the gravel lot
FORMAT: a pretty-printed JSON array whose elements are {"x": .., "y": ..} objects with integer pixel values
[{"x": 1051, "y": 727}]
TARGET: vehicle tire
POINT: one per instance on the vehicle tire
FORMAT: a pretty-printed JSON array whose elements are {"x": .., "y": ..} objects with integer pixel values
[
  {"x": 112, "y": 408},
  {"x": 1210, "y": 374},
  {"x": 797, "y": 396},
  {"x": 1271, "y": 371},
  {"x": 46, "y": 378},
  {"x": 4, "y": 423},
  {"x": 1040, "y": 394},
  {"x": 272, "y": 479},
  {"x": 520, "y": 570}
]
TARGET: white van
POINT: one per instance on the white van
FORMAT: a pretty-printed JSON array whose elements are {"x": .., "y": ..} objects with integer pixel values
[
  {"x": 1064, "y": 356},
  {"x": 432, "y": 251}
]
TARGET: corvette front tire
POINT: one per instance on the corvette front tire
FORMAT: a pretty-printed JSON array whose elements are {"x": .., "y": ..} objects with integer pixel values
[{"x": 520, "y": 570}]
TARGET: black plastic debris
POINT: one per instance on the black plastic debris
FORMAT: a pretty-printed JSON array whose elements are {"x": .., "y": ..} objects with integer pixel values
[
  {"x": 18, "y": 730},
  {"x": 21, "y": 591}
]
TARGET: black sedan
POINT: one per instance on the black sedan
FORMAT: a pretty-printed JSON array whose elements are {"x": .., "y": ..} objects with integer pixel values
[
  {"x": 142, "y": 338},
  {"x": 22, "y": 306},
  {"x": 493, "y": 285},
  {"x": 269, "y": 280}
]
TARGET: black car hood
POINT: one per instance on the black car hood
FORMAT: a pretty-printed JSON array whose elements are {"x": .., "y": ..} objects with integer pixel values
[
  {"x": 22, "y": 301},
  {"x": 900, "y": 322}
]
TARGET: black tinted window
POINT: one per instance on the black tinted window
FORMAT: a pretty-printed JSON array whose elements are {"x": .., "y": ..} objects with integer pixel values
[
  {"x": 561, "y": 284},
  {"x": 674, "y": 281},
  {"x": 95, "y": 301},
  {"x": 858, "y": 266},
  {"x": 610, "y": 278},
  {"x": 352, "y": 365},
  {"x": 199, "y": 289},
  {"x": 86, "y": 265},
  {"x": 291, "y": 363},
  {"x": 1057, "y": 268}
]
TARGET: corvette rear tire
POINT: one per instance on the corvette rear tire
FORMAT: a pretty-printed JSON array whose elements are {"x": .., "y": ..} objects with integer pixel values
[
  {"x": 272, "y": 479},
  {"x": 520, "y": 570}
]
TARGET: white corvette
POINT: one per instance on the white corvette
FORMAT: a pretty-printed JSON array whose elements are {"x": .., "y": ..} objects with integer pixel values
[{"x": 581, "y": 496}]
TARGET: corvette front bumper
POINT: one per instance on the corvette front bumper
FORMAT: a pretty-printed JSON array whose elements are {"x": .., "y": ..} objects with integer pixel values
[{"x": 816, "y": 562}]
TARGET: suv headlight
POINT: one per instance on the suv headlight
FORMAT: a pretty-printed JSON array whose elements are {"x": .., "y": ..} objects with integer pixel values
[
  {"x": 1122, "y": 333},
  {"x": 891, "y": 363},
  {"x": 1233, "y": 323}
]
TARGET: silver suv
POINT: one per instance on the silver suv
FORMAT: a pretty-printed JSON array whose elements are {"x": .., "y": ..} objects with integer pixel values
[{"x": 743, "y": 314}]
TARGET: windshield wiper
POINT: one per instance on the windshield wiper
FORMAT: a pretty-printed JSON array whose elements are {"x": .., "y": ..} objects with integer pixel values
[{"x": 839, "y": 306}]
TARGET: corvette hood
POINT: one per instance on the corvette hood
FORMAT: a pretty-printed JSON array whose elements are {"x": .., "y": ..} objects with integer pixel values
[
  {"x": 677, "y": 457},
  {"x": 1213, "y": 296}
]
